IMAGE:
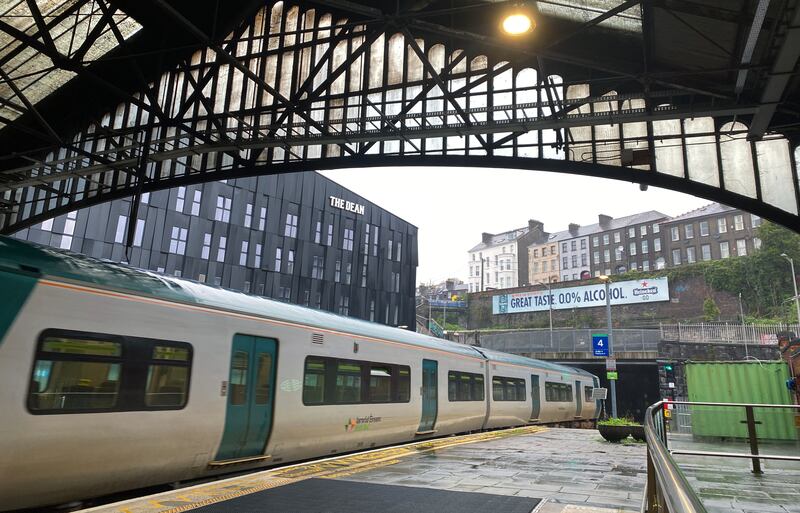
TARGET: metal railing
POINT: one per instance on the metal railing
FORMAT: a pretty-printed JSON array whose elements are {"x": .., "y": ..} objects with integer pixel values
[
  {"x": 667, "y": 489},
  {"x": 723, "y": 332},
  {"x": 567, "y": 340}
]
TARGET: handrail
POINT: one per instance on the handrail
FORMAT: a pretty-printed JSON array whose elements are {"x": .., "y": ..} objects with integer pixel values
[{"x": 667, "y": 490}]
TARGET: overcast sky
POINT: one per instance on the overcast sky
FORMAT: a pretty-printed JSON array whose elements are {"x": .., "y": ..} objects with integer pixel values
[{"x": 453, "y": 206}]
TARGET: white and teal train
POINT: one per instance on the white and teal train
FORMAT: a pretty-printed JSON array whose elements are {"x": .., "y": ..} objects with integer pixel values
[{"x": 115, "y": 378}]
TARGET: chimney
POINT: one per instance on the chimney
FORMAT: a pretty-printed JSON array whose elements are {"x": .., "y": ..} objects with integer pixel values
[
  {"x": 487, "y": 237},
  {"x": 604, "y": 220},
  {"x": 534, "y": 225},
  {"x": 573, "y": 229}
]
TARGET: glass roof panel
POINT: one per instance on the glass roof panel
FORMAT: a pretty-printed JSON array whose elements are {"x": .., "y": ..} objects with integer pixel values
[
  {"x": 582, "y": 11},
  {"x": 70, "y": 24}
]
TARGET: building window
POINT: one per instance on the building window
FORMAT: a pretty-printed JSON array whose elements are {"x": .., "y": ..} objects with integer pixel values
[
  {"x": 656, "y": 228},
  {"x": 348, "y": 272},
  {"x": 643, "y": 230},
  {"x": 196, "y": 198},
  {"x": 258, "y": 257},
  {"x": 606, "y": 255},
  {"x": 262, "y": 218},
  {"x": 741, "y": 247},
  {"x": 347, "y": 240},
  {"x": 756, "y": 243},
  {"x": 139, "y": 233},
  {"x": 631, "y": 232},
  {"x": 246, "y": 287},
  {"x": 724, "y": 250},
  {"x": 181, "y": 198},
  {"x": 278, "y": 256},
  {"x": 606, "y": 239},
  {"x": 364, "y": 275},
  {"x": 738, "y": 222},
  {"x": 618, "y": 253},
  {"x": 318, "y": 232},
  {"x": 596, "y": 257},
  {"x": 399, "y": 251},
  {"x": 330, "y": 234},
  {"x": 645, "y": 265},
  {"x": 145, "y": 198},
  {"x": 690, "y": 256},
  {"x": 632, "y": 248},
  {"x": 755, "y": 221},
  {"x": 248, "y": 215},
  {"x": 243, "y": 254},
  {"x": 583, "y": 243},
  {"x": 122, "y": 222},
  {"x": 595, "y": 241},
  {"x": 535, "y": 253},
  {"x": 565, "y": 263},
  {"x": 583, "y": 260},
  {"x": 657, "y": 244},
  {"x": 676, "y": 233},
  {"x": 689, "y": 231},
  {"x": 317, "y": 267},
  {"x": 366, "y": 240},
  {"x": 722, "y": 225},
  {"x": 290, "y": 229},
  {"x": 574, "y": 261},
  {"x": 375, "y": 242},
  {"x": 223, "y": 210},
  {"x": 703, "y": 228},
  {"x": 290, "y": 262},
  {"x": 206, "y": 246},
  {"x": 397, "y": 282},
  {"x": 391, "y": 246},
  {"x": 616, "y": 236},
  {"x": 337, "y": 271},
  {"x": 69, "y": 231},
  {"x": 676, "y": 257},
  {"x": 223, "y": 242},
  {"x": 645, "y": 246},
  {"x": 344, "y": 305},
  {"x": 705, "y": 251},
  {"x": 285, "y": 294},
  {"x": 177, "y": 241},
  {"x": 564, "y": 247}
]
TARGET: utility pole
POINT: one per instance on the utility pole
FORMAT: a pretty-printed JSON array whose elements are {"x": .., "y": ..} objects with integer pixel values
[
  {"x": 613, "y": 382},
  {"x": 794, "y": 282}
]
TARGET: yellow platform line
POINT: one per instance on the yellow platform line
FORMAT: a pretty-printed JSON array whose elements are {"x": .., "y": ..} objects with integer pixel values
[{"x": 335, "y": 467}]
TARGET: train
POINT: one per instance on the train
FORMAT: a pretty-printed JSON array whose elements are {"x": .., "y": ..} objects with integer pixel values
[{"x": 116, "y": 378}]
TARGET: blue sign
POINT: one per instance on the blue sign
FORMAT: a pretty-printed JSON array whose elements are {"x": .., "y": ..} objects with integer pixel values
[{"x": 600, "y": 345}]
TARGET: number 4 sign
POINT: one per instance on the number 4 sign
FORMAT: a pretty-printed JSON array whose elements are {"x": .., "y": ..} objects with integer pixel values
[{"x": 600, "y": 345}]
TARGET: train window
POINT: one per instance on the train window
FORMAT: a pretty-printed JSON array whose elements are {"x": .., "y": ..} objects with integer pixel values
[
  {"x": 348, "y": 383},
  {"x": 403, "y": 384},
  {"x": 167, "y": 377},
  {"x": 335, "y": 381},
  {"x": 314, "y": 381},
  {"x": 263, "y": 372},
  {"x": 557, "y": 392},
  {"x": 508, "y": 389},
  {"x": 380, "y": 384},
  {"x": 587, "y": 393},
  {"x": 238, "y": 385},
  {"x": 75, "y": 374},
  {"x": 464, "y": 386}
]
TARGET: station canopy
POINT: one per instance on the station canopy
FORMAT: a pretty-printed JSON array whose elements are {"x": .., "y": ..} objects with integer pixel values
[{"x": 102, "y": 99}]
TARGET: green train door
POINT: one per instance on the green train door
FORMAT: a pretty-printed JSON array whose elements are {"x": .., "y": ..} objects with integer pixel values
[
  {"x": 248, "y": 417},
  {"x": 536, "y": 398},
  {"x": 429, "y": 397},
  {"x": 578, "y": 399}
]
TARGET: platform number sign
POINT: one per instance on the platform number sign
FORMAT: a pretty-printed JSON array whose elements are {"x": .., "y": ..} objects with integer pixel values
[{"x": 600, "y": 345}]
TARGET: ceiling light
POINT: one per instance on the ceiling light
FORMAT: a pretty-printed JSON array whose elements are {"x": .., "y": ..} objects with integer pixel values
[{"x": 517, "y": 23}]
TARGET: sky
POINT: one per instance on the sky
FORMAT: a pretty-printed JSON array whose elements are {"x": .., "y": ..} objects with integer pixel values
[{"x": 453, "y": 206}]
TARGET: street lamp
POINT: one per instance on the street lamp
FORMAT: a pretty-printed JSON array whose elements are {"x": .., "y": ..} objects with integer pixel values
[
  {"x": 607, "y": 280},
  {"x": 794, "y": 282},
  {"x": 550, "y": 304}
]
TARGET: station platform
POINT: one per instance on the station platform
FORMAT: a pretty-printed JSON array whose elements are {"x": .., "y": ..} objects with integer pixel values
[{"x": 531, "y": 469}]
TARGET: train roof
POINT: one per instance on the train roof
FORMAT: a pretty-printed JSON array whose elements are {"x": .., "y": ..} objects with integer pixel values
[{"x": 19, "y": 256}]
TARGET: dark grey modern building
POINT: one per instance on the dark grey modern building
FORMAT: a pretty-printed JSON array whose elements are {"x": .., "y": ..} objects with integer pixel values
[{"x": 300, "y": 238}]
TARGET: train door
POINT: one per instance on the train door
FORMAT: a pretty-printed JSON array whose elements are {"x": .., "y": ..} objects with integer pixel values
[
  {"x": 535, "y": 397},
  {"x": 429, "y": 396},
  {"x": 578, "y": 399},
  {"x": 248, "y": 417}
]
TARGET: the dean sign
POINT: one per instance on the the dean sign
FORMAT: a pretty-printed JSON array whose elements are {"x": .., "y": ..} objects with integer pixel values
[{"x": 587, "y": 296}]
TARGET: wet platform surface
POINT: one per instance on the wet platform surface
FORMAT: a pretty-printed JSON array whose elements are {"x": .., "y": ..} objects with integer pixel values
[{"x": 570, "y": 470}]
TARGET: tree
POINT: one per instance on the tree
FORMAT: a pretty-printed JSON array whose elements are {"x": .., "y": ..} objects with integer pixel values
[{"x": 710, "y": 309}]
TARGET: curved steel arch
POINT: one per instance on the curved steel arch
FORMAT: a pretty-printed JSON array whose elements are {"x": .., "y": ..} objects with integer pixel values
[{"x": 296, "y": 89}]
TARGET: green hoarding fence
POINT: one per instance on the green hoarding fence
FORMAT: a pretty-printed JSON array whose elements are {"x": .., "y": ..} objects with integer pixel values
[{"x": 740, "y": 382}]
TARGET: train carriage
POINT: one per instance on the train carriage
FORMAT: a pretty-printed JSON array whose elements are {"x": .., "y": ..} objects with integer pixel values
[{"x": 116, "y": 378}]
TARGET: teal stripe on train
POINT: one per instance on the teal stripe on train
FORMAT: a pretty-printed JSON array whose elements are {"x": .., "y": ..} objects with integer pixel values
[{"x": 14, "y": 291}]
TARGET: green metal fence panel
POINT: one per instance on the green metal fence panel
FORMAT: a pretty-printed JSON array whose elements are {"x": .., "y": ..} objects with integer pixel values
[{"x": 740, "y": 382}]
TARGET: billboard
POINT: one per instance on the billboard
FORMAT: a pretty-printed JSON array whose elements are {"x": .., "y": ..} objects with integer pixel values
[{"x": 585, "y": 296}]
